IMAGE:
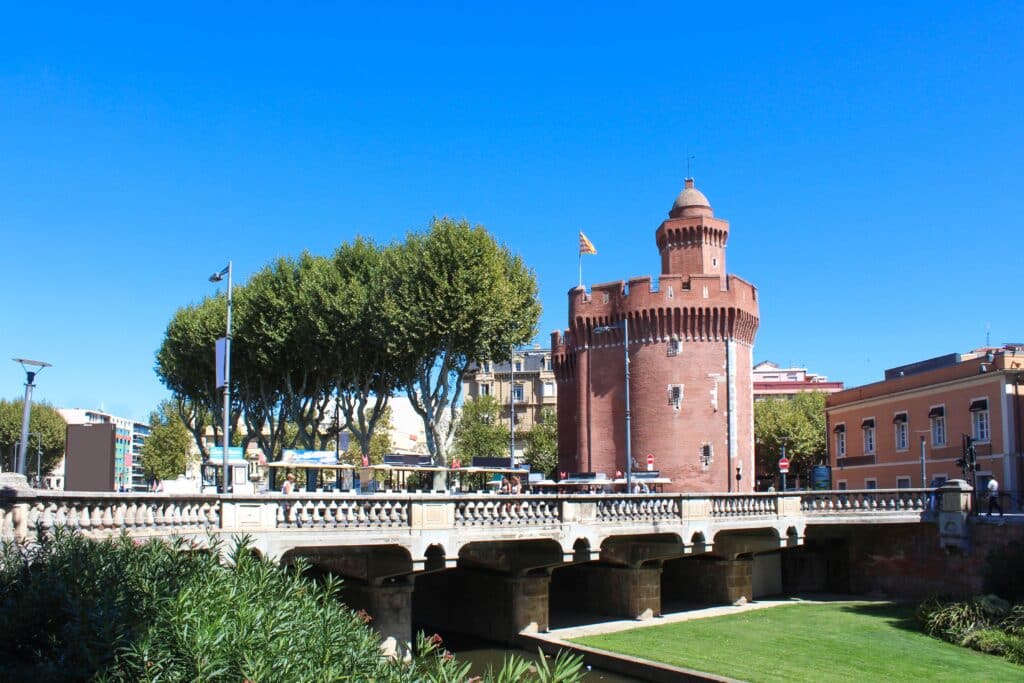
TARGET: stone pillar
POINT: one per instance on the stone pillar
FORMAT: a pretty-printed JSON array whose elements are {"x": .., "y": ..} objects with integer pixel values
[
  {"x": 710, "y": 581},
  {"x": 736, "y": 580},
  {"x": 491, "y": 605},
  {"x": 390, "y": 605},
  {"x": 528, "y": 604},
  {"x": 627, "y": 592}
]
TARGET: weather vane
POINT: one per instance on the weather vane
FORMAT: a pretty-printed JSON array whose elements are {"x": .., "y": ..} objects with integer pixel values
[{"x": 688, "y": 158}]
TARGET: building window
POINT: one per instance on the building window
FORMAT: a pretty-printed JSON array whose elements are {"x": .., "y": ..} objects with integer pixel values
[
  {"x": 705, "y": 455},
  {"x": 938, "y": 480},
  {"x": 903, "y": 482},
  {"x": 517, "y": 393},
  {"x": 979, "y": 420},
  {"x": 485, "y": 389},
  {"x": 900, "y": 427},
  {"x": 937, "y": 417},
  {"x": 870, "y": 484},
  {"x": 868, "y": 427},
  {"x": 674, "y": 348},
  {"x": 549, "y": 388},
  {"x": 840, "y": 432},
  {"x": 841, "y": 485},
  {"x": 675, "y": 395},
  {"x": 519, "y": 366}
]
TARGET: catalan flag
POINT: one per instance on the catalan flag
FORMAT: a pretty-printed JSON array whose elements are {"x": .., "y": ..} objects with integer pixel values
[{"x": 586, "y": 246}]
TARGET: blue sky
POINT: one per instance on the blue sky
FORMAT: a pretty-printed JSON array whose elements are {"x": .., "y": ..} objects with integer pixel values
[{"x": 869, "y": 161}]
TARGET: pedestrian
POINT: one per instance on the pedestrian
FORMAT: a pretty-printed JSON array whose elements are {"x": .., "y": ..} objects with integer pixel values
[
  {"x": 289, "y": 484},
  {"x": 993, "y": 497}
]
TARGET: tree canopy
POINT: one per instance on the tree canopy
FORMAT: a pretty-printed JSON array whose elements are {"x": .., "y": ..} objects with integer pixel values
[
  {"x": 356, "y": 327},
  {"x": 542, "y": 443},
  {"x": 167, "y": 450},
  {"x": 479, "y": 431},
  {"x": 460, "y": 298},
  {"x": 799, "y": 423},
  {"x": 46, "y": 428}
]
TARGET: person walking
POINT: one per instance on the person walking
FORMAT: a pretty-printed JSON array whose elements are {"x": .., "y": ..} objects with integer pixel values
[{"x": 993, "y": 497}]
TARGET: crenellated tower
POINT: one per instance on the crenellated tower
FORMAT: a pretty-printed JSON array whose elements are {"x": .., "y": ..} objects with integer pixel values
[{"x": 691, "y": 354}]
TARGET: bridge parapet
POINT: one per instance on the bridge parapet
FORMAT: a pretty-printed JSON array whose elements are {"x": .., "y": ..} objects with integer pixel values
[{"x": 867, "y": 501}]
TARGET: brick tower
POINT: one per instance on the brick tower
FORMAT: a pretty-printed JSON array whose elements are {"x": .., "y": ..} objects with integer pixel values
[{"x": 690, "y": 347}]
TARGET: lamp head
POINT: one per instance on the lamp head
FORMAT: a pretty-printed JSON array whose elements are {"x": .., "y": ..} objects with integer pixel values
[{"x": 216, "y": 277}]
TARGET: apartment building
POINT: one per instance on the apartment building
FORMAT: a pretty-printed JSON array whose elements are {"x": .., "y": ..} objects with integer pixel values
[{"x": 908, "y": 430}]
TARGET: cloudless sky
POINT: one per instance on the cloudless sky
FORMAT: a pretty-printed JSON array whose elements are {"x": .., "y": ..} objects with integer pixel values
[{"x": 870, "y": 160}]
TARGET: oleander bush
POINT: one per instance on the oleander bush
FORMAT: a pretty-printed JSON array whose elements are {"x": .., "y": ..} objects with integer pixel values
[
  {"x": 73, "y": 609},
  {"x": 986, "y": 623}
]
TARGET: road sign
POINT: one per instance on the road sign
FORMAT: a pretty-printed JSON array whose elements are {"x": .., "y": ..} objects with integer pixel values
[
  {"x": 784, "y": 465},
  {"x": 650, "y": 462}
]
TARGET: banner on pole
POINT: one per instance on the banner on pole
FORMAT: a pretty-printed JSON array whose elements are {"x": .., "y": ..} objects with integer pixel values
[{"x": 218, "y": 362}]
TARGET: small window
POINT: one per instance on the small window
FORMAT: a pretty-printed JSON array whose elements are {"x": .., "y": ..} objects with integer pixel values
[
  {"x": 903, "y": 482},
  {"x": 937, "y": 422},
  {"x": 517, "y": 393},
  {"x": 675, "y": 395},
  {"x": 714, "y": 261},
  {"x": 901, "y": 431},
  {"x": 549, "y": 388},
  {"x": 485, "y": 389},
  {"x": 705, "y": 455},
  {"x": 871, "y": 484},
  {"x": 674, "y": 348},
  {"x": 868, "y": 427},
  {"x": 980, "y": 428},
  {"x": 840, "y": 432},
  {"x": 519, "y": 366},
  {"x": 841, "y": 484}
]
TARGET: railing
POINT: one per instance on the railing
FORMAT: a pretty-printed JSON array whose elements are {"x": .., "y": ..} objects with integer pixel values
[
  {"x": 638, "y": 508},
  {"x": 145, "y": 514},
  {"x": 489, "y": 510},
  {"x": 745, "y": 505},
  {"x": 868, "y": 501},
  {"x": 342, "y": 513},
  {"x": 26, "y": 512}
]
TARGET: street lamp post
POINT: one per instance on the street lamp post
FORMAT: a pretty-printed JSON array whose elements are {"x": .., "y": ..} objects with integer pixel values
[
  {"x": 625, "y": 347},
  {"x": 512, "y": 409},
  {"x": 217, "y": 277},
  {"x": 26, "y": 411}
]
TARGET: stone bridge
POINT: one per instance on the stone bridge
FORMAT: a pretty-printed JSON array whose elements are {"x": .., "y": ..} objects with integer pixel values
[{"x": 493, "y": 550}]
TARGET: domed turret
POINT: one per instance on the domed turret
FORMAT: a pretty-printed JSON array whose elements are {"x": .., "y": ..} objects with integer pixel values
[{"x": 690, "y": 202}]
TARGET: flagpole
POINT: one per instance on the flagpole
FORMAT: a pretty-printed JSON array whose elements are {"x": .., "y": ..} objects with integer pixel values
[{"x": 580, "y": 259}]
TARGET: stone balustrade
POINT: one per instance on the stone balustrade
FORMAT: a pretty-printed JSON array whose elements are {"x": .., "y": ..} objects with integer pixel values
[
  {"x": 867, "y": 501},
  {"x": 28, "y": 511}
]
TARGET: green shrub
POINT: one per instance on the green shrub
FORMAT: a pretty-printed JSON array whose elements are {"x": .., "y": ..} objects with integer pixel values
[
  {"x": 989, "y": 640},
  {"x": 954, "y": 621},
  {"x": 72, "y": 609}
]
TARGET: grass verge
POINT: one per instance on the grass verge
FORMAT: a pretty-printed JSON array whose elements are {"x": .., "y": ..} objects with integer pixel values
[{"x": 805, "y": 642}]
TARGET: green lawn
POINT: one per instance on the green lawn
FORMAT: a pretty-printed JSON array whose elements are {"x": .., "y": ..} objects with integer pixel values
[{"x": 848, "y": 641}]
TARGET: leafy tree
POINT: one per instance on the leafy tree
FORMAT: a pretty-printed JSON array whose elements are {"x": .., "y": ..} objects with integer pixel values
[
  {"x": 280, "y": 376},
  {"x": 167, "y": 450},
  {"x": 800, "y": 423},
  {"x": 186, "y": 365},
  {"x": 363, "y": 354},
  {"x": 542, "y": 443},
  {"x": 380, "y": 443},
  {"x": 46, "y": 428},
  {"x": 458, "y": 298},
  {"x": 479, "y": 431}
]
